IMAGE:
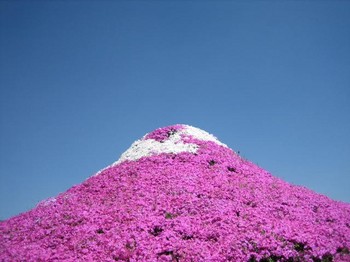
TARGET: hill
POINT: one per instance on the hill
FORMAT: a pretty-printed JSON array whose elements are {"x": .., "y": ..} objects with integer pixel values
[{"x": 179, "y": 194}]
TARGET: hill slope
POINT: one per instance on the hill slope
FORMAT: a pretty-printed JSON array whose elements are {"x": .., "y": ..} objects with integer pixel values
[{"x": 178, "y": 194}]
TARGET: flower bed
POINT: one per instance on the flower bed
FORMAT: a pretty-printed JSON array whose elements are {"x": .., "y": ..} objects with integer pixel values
[{"x": 201, "y": 203}]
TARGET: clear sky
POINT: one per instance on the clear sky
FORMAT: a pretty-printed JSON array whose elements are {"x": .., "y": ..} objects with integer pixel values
[{"x": 81, "y": 80}]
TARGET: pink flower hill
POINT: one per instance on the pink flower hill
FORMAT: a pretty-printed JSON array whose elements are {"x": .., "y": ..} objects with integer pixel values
[{"x": 178, "y": 194}]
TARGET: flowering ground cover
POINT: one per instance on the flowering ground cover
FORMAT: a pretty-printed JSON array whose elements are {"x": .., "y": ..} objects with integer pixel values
[{"x": 178, "y": 194}]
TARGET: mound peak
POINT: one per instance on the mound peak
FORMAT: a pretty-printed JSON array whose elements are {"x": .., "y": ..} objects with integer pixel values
[
  {"x": 179, "y": 194},
  {"x": 171, "y": 139}
]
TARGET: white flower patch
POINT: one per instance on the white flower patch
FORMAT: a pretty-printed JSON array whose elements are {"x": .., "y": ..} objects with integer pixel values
[
  {"x": 149, "y": 147},
  {"x": 173, "y": 145},
  {"x": 200, "y": 134}
]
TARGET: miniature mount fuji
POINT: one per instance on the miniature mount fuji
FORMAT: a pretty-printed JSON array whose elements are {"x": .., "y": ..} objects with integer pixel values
[{"x": 179, "y": 194}]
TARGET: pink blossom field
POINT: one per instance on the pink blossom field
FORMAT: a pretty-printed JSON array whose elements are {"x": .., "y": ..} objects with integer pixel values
[{"x": 178, "y": 194}]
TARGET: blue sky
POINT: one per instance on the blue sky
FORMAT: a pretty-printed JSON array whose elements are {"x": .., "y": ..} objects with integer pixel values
[{"x": 81, "y": 80}]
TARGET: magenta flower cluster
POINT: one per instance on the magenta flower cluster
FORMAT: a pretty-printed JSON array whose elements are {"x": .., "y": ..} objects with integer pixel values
[
  {"x": 164, "y": 133},
  {"x": 211, "y": 205}
]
